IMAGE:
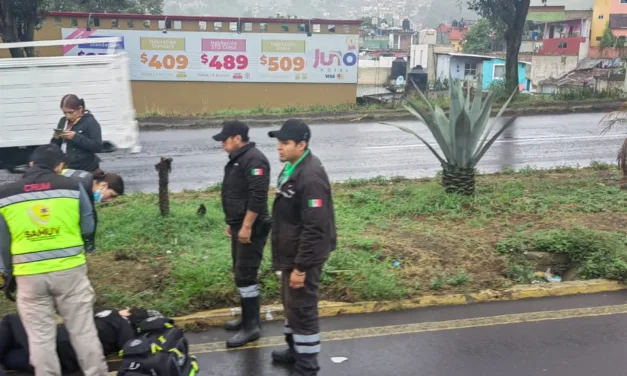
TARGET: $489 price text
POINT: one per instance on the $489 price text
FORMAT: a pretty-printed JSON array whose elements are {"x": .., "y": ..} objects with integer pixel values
[
  {"x": 165, "y": 62},
  {"x": 228, "y": 62}
]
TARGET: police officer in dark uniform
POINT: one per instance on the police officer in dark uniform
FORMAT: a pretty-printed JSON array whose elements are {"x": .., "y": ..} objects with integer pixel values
[
  {"x": 303, "y": 236},
  {"x": 245, "y": 203}
]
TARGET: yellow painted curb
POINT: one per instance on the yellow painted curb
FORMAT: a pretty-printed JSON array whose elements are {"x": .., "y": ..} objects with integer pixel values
[{"x": 220, "y": 316}]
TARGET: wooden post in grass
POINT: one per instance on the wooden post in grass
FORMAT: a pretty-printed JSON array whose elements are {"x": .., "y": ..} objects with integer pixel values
[{"x": 164, "y": 167}]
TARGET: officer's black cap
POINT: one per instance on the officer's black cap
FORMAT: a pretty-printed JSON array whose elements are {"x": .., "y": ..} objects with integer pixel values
[
  {"x": 292, "y": 130},
  {"x": 232, "y": 129},
  {"x": 49, "y": 156}
]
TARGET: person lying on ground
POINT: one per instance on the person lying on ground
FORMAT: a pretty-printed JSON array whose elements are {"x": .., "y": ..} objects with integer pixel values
[{"x": 115, "y": 328}]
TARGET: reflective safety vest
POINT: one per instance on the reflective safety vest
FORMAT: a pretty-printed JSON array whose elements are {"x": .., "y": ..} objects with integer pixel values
[{"x": 44, "y": 221}]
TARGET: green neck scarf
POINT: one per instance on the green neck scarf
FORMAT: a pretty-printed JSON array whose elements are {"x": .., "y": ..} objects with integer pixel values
[{"x": 290, "y": 168}]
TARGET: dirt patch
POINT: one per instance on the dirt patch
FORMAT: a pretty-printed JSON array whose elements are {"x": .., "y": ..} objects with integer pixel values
[{"x": 128, "y": 275}]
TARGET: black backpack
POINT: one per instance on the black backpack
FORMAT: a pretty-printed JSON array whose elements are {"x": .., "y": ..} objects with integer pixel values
[{"x": 161, "y": 349}]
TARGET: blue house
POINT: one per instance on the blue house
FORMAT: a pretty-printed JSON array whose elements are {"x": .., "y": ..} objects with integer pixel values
[{"x": 481, "y": 70}]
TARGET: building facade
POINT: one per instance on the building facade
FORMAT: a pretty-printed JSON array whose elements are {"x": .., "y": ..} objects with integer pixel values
[{"x": 182, "y": 64}]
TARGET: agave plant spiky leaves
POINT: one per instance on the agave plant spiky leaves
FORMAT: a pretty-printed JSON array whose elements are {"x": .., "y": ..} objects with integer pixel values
[{"x": 464, "y": 136}]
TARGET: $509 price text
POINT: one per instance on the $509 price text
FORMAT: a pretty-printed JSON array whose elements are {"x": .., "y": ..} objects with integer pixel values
[
  {"x": 285, "y": 64},
  {"x": 165, "y": 62},
  {"x": 228, "y": 62}
]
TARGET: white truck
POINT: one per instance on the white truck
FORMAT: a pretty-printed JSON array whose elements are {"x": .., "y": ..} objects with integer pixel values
[{"x": 31, "y": 90}]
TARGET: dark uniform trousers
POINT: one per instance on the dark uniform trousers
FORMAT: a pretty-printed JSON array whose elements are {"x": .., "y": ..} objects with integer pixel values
[
  {"x": 302, "y": 330},
  {"x": 247, "y": 258}
]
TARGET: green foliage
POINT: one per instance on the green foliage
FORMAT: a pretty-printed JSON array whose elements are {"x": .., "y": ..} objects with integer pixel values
[
  {"x": 585, "y": 93},
  {"x": 608, "y": 40},
  {"x": 601, "y": 254},
  {"x": 479, "y": 39}
]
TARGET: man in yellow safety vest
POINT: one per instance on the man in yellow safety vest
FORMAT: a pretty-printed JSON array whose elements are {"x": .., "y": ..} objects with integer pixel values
[{"x": 43, "y": 220}]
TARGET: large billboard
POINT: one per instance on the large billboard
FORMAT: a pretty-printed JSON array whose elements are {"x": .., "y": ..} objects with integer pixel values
[{"x": 228, "y": 57}]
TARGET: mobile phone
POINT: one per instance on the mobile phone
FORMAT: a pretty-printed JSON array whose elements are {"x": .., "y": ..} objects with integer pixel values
[{"x": 59, "y": 131}]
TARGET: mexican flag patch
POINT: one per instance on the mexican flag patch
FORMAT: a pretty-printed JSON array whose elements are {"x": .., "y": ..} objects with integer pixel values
[
  {"x": 257, "y": 171},
  {"x": 317, "y": 203}
]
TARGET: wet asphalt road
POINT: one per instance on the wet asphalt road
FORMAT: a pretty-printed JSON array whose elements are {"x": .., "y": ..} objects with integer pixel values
[
  {"x": 554, "y": 345},
  {"x": 366, "y": 150}
]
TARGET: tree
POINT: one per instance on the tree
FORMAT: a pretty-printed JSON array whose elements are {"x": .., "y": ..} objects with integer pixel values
[
  {"x": 478, "y": 39},
  {"x": 510, "y": 16},
  {"x": 18, "y": 21},
  {"x": 20, "y": 18},
  {"x": 607, "y": 40}
]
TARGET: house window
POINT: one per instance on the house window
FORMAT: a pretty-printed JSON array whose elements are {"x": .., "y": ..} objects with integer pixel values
[
  {"x": 600, "y": 16},
  {"x": 202, "y": 25},
  {"x": 248, "y": 26},
  {"x": 331, "y": 28},
  {"x": 96, "y": 22},
  {"x": 562, "y": 45},
  {"x": 302, "y": 28},
  {"x": 73, "y": 21},
  {"x": 499, "y": 72},
  {"x": 285, "y": 28},
  {"x": 178, "y": 25},
  {"x": 316, "y": 28},
  {"x": 263, "y": 27},
  {"x": 232, "y": 26},
  {"x": 130, "y": 24},
  {"x": 470, "y": 69},
  {"x": 114, "y": 23},
  {"x": 599, "y": 39},
  {"x": 147, "y": 24},
  {"x": 57, "y": 21},
  {"x": 347, "y": 29},
  {"x": 217, "y": 26},
  {"x": 623, "y": 1}
]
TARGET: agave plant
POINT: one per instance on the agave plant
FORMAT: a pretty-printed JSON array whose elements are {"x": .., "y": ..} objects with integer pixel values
[
  {"x": 618, "y": 119},
  {"x": 463, "y": 137}
]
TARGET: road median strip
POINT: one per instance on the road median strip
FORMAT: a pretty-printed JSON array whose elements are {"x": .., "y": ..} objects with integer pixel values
[{"x": 329, "y": 309}]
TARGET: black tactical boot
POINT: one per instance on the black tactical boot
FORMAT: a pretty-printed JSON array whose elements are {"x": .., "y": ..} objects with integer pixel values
[
  {"x": 286, "y": 355},
  {"x": 250, "y": 330}
]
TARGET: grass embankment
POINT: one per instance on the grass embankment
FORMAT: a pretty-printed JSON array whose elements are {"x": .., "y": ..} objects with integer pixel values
[
  {"x": 525, "y": 103},
  {"x": 397, "y": 239}
]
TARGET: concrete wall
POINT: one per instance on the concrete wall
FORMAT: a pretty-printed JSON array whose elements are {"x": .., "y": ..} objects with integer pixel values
[
  {"x": 375, "y": 72},
  {"x": 551, "y": 67},
  {"x": 420, "y": 55},
  {"x": 443, "y": 67},
  {"x": 373, "y": 76}
]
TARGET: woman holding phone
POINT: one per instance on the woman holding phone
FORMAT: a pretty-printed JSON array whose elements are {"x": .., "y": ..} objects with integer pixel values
[{"x": 78, "y": 134}]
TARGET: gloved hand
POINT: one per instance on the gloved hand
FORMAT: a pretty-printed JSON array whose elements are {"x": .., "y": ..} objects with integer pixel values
[
  {"x": 10, "y": 287},
  {"x": 90, "y": 246}
]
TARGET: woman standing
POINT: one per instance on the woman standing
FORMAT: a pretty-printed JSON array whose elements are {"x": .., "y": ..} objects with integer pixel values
[{"x": 79, "y": 135}]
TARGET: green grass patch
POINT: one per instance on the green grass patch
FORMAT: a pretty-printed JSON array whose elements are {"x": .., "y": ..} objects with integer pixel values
[{"x": 398, "y": 238}]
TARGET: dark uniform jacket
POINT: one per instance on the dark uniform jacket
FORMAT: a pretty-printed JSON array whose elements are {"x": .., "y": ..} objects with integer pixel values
[
  {"x": 81, "y": 150},
  {"x": 245, "y": 185},
  {"x": 303, "y": 218}
]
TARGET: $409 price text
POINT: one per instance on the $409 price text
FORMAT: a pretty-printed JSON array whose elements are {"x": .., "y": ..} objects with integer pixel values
[
  {"x": 165, "y": 62},
  {"x": 228, "y": 62}
]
